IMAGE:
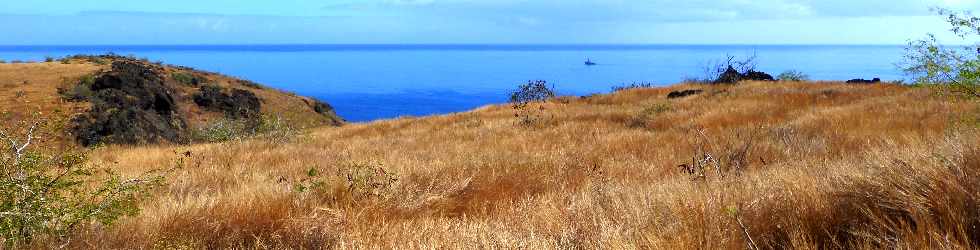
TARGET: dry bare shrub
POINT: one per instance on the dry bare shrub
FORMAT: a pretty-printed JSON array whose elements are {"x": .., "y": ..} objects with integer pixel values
[
  {"x": 720, "y": 158},
  {"x": 352, "y": 181},
  {"x": 647, "y": 115},
  {"x": 526, "y": 95}
]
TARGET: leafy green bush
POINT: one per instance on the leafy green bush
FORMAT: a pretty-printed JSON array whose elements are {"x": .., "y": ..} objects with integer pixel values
[
  {"x": 48, "y": 59},
  {"x": 80, "y": 91},
  {"x": 793, "y": 76},
  {"x": 50, "y": 196},
  {"x": 956, "y": 70},
  {"x": 188, "y": 78}
]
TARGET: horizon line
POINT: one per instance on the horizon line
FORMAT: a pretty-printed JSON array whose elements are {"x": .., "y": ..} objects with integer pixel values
[
  {"x": 109, "y": 48},
  {"x": 453, "y": 44}
]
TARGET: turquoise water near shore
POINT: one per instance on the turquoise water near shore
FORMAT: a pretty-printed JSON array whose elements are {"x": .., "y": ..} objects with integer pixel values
[{"x": 370, "y": 82}]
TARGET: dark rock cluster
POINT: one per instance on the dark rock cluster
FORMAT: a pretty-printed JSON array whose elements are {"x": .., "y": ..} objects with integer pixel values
[
  {"x": 235, "y": 104},
  {"x": 322, "y": 108},
  {"x": 130, "y": 105},
  {"x": 861, "y": 80},
  {"x": 731, "y": 75},
  {"x": 683, "y": 93}
]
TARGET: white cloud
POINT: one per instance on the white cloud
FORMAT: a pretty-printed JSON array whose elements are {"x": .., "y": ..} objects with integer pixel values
[{"x": 663, "y": 10}]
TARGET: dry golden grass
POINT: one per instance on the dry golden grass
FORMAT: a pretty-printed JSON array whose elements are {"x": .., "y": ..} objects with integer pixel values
[
  {"x": 808, "y": 166},
  {"x": 29, "y": 92}
]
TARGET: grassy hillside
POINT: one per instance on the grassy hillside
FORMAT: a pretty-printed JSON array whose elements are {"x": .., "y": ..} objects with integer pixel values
[
  {"x": 58, "y": 93},
  {"x": 767, "y": 165}
]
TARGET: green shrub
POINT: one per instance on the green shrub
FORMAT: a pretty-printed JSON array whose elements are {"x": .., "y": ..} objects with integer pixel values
[
  {"x": 793, "y": 76},
  {"x": 50, "y": 196},
  {"x": 956, "y": 71},
  {"x": 189, "y": 79},
  {"x": 48, "y": 59},
  {"x": 80, "y": 91}
]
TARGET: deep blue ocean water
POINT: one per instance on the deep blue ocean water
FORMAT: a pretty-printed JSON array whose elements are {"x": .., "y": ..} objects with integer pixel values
[{"x": 369, "y": 82}]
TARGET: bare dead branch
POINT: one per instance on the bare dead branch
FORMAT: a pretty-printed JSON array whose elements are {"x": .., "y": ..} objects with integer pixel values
[
  {"x": 16, "y": 148},
  {"x": 745, "y": 232}
]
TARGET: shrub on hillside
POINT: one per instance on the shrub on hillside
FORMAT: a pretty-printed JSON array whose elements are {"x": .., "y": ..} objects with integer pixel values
[
  {"x": 729, "y": 71},
  {"x": 634, "y": 85},
  {"x": 358, "y": 181},
  {"x": 79, "y": 91},
  {"x": 249, "y": 84},
  {"x": 526, "y": 94},
  {"x": 931, "y": 63},
  {"x": 793, "y": 76},
  {"x": 50, "y": 196},
  {"x": 648, "y": 114},
  {"x": 274, "y": 129},
  {"x": 48, "y": 59},
  {"x": 188, "y": 78}
]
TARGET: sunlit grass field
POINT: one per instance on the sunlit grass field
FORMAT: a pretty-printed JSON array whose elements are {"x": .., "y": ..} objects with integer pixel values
[{"x": 754, "y": 165}]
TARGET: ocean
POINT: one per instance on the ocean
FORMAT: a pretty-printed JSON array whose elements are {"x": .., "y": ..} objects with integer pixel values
[{"x": 371, "y": 82}]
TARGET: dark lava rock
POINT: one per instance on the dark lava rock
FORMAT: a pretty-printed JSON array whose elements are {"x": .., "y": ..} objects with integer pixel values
[
  {"x": 731, "y": 75},
  {"x": 753, "y": 75},
  {"x": 861, "y": 80},
  {"x": 322, "y": 108},
  {"x": 130, "y": 105},
  {"x": 683, "y": 93},
  {"x": 235, "y": 104}
]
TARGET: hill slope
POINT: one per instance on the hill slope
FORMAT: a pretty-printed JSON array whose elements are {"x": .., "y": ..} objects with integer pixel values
[
  {"x": 111, "y": 99},
  {"x": 769, "y": 165}
]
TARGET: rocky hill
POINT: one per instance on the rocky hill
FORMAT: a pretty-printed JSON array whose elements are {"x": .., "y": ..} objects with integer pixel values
[{"x": 89, "y": 100}]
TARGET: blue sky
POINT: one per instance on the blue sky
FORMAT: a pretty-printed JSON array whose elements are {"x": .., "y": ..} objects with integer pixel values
[{"x": 84, "y": 22}]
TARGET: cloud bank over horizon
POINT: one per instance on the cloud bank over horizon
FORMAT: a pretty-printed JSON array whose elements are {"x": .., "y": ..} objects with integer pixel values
[{"x": 473, "y": 21}]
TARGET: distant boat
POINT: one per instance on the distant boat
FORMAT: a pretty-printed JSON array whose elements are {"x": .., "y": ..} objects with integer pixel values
[{"x": 588, "y": 62}]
